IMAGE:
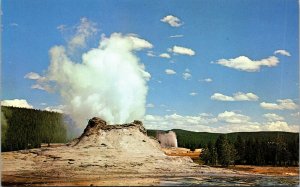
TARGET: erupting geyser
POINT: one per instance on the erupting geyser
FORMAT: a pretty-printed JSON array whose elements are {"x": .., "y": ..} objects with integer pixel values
[
  {"x": 108, "y": 82},
  {"x": 167, "y": 139}
]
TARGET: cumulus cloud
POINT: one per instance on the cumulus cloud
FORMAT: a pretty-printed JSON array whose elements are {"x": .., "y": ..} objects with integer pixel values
[
  {"x": 176, "y": 36},
  {"x": 282, "y": 52},
  {"x": 182, "y": 50},
  {"x": 165, "y": 55},
  {"x": 58, "y": 109},
  {"x": 172, "y": 21},
  {"x": 150, "y": 53},
  {"x": 273, "y": 117},
  {"x": 221, "y": 97},
  {"x": 186, "y": 76},
  {"x": 22, "y": 103},
  {"x": 204, "y": 122},
  {"x": 170, "y": 72},
  {"x": 167, "y": 122},
  {"x": 232, "y": 117},
  {"x": 32, "y": 76},
  {"x": 244, "y": 63},
  {"x": 282, "y": 104},
  {"x": 239, "y": 96},
  {"x": 280, "y": 126},
  {"x": 193, "y": 93},
  {"x": 41, "y": 81},
  {"x": 139, "y": 43},
  {"x": 41, "y": 87}
]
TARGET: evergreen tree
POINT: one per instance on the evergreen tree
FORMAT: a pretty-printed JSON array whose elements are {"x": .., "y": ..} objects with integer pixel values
[
  {"x": 240, "y": 148},
  {"x": 225, "y": 150},
  {"x": 212, "y": 153}
]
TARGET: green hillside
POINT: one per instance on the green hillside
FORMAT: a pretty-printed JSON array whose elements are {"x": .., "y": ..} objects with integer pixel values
[
  {"x": 27, "y": 128},
  {"x": 190, "y": 139}
]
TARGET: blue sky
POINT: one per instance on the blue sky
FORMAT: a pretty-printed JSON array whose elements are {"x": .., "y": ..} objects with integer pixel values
[{"x": 206, "y": 31}]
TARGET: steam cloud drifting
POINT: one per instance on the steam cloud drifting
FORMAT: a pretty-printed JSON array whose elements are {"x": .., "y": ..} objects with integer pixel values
[
  {"x": 109, "y": 82},
  {"x": 167, "y": 139}
]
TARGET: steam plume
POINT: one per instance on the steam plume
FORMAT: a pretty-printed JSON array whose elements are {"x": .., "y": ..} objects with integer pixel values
[
  {"x": 167, "y": 139},
  {"x": 109, "y": 82}
]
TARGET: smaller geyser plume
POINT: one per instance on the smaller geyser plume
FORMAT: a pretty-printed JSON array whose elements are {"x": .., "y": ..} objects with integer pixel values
[
  {"x": 167, "y": 139},
  {"x": 108, "y": 81}
]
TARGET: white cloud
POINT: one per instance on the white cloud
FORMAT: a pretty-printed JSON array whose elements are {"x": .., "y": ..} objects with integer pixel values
[
  {"x": 221, "y": 97},
  {"x": 150, "y": 53},
  {"x": 41, "y": 81},
  {"x": 193, "y": 94},
  {"x": 182, "y": 50},
  {"x": 244, "y": 63},
  {"x": 232, "y": 117},
  {"x": 186, "y": 76},
  {"x": 58, "y": 109},
  {"x": 193, "y": 123},
  {"x": 32, "y": 76},
  {"x": 150, "y": 105},
  {"x": 42, "y": 86},
  {"x": 239, "y": 96},
  {"x": 273, "y": 117},
  {"x": 165, "y": 55},
  {"x": 282, "y": 52},
  {"x": 206, "y": 80},
  {"x": 172, "y": 20},
  {"x": 139, "y": 43},
  {"x": 282, "y": 104},
  {"x": 170, "y": 72},
  {"x": 176, "y": 36},
  {"x": 280, "y": 126},
  {"x": 22, "y": 103},
  {"x": 208, "y": 123}
]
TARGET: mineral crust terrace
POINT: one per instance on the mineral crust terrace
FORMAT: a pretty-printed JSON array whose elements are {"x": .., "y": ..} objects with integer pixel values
[{"x": 102, "y": 151}]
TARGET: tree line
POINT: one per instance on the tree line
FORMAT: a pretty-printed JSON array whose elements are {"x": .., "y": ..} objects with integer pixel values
[
  {"x": 278, "y": 151},
  {"x": 28, "y": 128}
]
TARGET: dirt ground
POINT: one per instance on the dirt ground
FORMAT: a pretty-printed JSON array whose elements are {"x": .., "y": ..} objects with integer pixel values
[{"x": 179, "y": 151}]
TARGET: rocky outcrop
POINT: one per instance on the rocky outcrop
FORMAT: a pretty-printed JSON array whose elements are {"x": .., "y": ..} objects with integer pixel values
[{"x": 96, "y": 124}]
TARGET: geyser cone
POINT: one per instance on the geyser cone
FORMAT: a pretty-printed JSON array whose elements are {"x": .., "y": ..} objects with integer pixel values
[{"x": 125, "y": 138}]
